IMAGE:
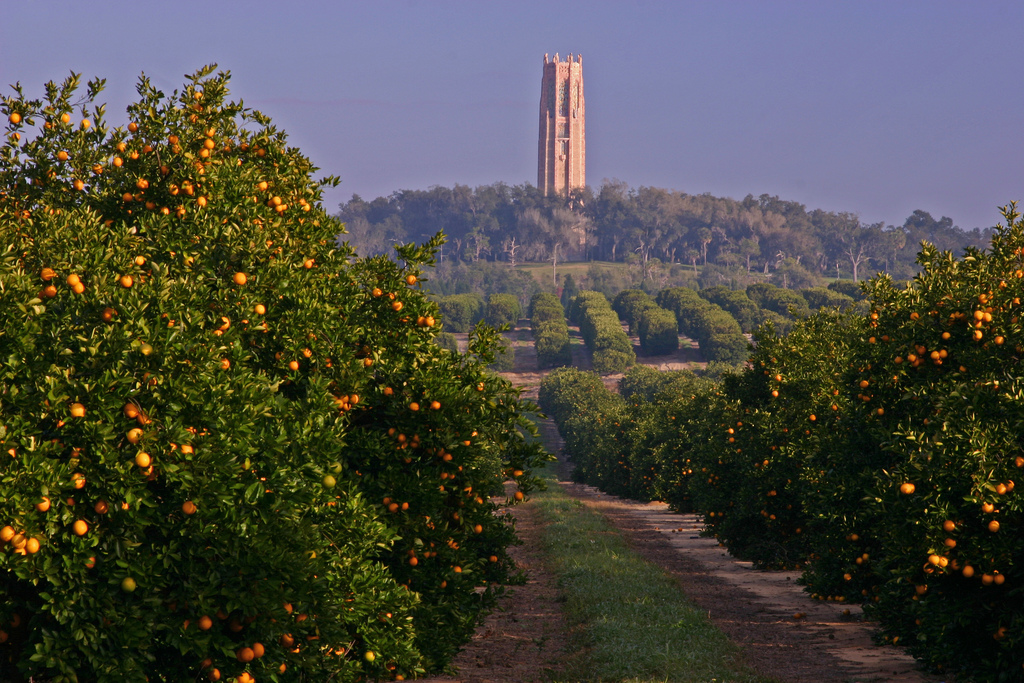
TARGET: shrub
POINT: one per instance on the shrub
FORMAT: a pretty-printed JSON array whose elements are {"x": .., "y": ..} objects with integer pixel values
[
  {"x": 737, "y": 303},
  {"x": 854, "y": 290},
  {"x": 820, "y": 297},
  {"x": 658, "y": 331},
  {"x": 459, "y": 312},
  {"x": 505, "y": 357},
  {"x": 550, "y": 332},
  {"x": 610, "y": 348},
  {"x": 502, "y": 309},
  {"x": 207, "y": 408},
  {"x": 785, "y": 302},
  {"x": 447, "y": 340},
  {"x": 629, "y": 304}
]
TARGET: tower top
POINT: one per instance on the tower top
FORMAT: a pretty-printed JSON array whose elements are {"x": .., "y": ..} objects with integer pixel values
[{"x": 578, "y": 60}]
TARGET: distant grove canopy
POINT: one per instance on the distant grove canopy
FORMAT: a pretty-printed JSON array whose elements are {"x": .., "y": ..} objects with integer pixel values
[{"x": 516, "y": 223}]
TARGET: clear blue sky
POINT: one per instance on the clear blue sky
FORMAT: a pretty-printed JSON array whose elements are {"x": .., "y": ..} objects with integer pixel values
[{"x": 878, "y": 108}]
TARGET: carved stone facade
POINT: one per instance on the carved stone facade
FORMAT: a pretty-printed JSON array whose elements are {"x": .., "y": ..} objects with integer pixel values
[{"x": 562, "y": 155}]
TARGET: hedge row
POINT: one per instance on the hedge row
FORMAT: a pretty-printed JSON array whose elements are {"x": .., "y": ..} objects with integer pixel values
[
  {"x": 550, "y": 331},
  {"x": 610, "y": 348},
  {"x": 717, "y": 333},
  {"x": 655, "y": 326},
  {"x": 877, "y": 451}
]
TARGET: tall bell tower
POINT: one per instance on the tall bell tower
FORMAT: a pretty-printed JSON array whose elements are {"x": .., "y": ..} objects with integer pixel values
[{"x": 562, "y": 150}]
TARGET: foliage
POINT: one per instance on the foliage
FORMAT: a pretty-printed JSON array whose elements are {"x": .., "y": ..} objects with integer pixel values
[
  {"x": 879, "y": 451},
  {"x": 447, "y": 340},
  {"x": 231, "y": 446},
  {"x": 550, "y": 331},
  {"x": 629, "y": 304},
  {"x": 785, "y": 302},
  {"x": 610, "y": 348},
  {"x": 502, "y": 309},
  {"x": 483, "y": 279},
  {"x": 716, "y": 332},
  {"x": 851, "y": 289},
  {"x": 659, "y": 335},
  {"x": 661, "y": 230},
  {"x": 737, "y": 303},
  {"x": 820, "y": 297},
  {"x": 505, "y": 357},
  {"x": 460, "y": 312}
]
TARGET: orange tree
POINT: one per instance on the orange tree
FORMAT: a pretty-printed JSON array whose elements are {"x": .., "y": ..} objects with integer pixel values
[
  {"x": 230, "y": 448},
  {"x": 942, "y": 376}
]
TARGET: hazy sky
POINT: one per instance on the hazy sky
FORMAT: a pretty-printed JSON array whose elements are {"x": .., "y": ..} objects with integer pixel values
[{"x": 877, "y": 108}]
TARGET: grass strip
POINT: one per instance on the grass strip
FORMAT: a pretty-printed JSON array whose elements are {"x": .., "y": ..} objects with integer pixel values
[{"x": 628, "y": 619}]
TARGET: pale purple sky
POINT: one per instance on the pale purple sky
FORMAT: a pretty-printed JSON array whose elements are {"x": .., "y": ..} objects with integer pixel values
[{"x": 878, "y": 108}]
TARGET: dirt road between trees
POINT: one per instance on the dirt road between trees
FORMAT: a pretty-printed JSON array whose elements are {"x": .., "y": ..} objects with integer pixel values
[{"x": 783, "y": 633}]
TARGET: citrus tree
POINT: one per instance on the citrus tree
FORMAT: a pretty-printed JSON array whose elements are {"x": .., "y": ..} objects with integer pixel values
[{"x": 231, "y": 448}]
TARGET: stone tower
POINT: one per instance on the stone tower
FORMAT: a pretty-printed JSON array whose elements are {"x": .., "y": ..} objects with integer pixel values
[{"x": 562, "y": 155}]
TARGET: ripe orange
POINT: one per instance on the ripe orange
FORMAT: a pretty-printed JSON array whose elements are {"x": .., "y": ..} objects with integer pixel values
[
  {"x": 410, "y": 280},
  {"x": 259, "y": 309},
  {"x": 78, "y": 480},
  {"x": 308, "y": 263},
  {"x": 14, "y": 118},
  {"x": 143, "y": 460},
  {"x": 240, "y": 278},
  {"x": 258, "y": 650},
  {"x": 993, "y": 526},
  {"x": 32, "y": 546},
  {"x": 77, "y": 410},
  {"x": 101, "y": 507},
  {"x": 43, "y": 505},
  {"x": 134, "y": 435},
  {"x": 414, "y": 406},
  {"x": 396, "y": 306},
  {"x": 519, "y": 495},
  {"x": 126, "y": 281},
  {"x": 907, "y": 488},
  {"x": 205, "y": 623},
  {"x": 245, "y": 654},
  {"x": 377, "y": 291},
  {"x": 435, "y": 405},
  {"x": 6, "y": 534},
  {"x": 80, "y": 527},
  {"x": 214, "y": 674},
  {"x": 293, "y": 366}
]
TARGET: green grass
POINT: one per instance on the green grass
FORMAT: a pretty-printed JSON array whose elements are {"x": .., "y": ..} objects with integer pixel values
[
  {"x": 542, "y": 271},
  {"x": 629, "y": 621}
]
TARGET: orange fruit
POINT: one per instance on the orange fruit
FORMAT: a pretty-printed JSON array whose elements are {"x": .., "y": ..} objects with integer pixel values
[
  {"x": 78, "y": 479},
  {"x": 77, "y": 410},
  {"x": 410, "y": 280},
  {"x": 134, "y": 435},
  {"x": 258, "y": 650},
  {"x": 143, "y": 460},
  {"x": 80, "y": 527},
  {"x": 43, "y": 505},
  {"x": 240, "y": 278},
  {"x": 435, "y": 405},
  {"x": 993, "y": 526},
  {"x": 6, "y": 534},
  {"x": 32, "y": 546},
  {"x": 907, "y": 488},
  {"x": 101, "y": 507},
  {"x": 293, "y": 366},
  {"x": 14, "y": 118},
  {"x": 214, "y": 674},
  {"x": 245, "y": 654},
  {"x": 377, "y": 291},
  {"x": 259, "y": 309},
  {"x": 396, "y": 306},
  {"x": 205, "y": 623}
]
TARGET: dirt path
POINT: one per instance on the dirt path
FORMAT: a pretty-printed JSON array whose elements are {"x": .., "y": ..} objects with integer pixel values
[{"x": 526, "y": 638}]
